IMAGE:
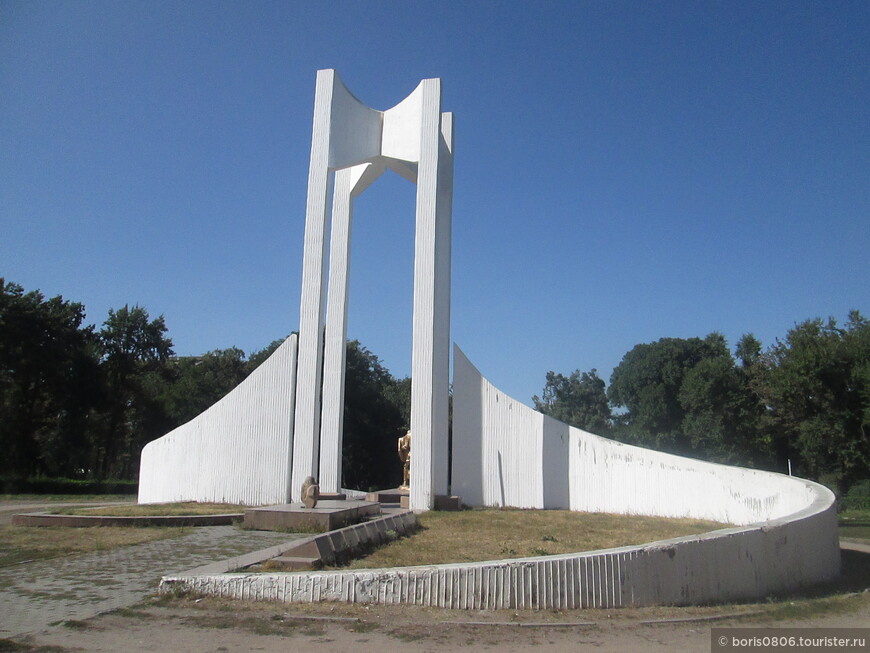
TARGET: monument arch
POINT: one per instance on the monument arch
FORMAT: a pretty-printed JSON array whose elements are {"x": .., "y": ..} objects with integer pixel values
[{"x": 352, "y": 146}]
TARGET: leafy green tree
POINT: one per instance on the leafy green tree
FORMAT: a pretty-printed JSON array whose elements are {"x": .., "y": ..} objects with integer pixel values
[
  {"x": 691, "y": 397},
  {"x": 647, "y": 384},
  {"x": 258, "y": 357},
  {"x": 197, "y": 382},
  {"x": 748, "y": 351},
  {"x": 817, "y": 387},
  {"x": 134, "y": 353},
  {"x": 47, "y": 378},
  {"x": 578, "y": 399},
  {"x": 373, "y": 421},
  {"x": 722, "y": 415},
  {"x": 398, "y": 393}
]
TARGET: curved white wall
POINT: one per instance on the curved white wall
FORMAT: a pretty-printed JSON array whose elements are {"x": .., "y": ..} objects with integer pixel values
[
  {"x": 608, "y": 476},
  {"x": 237, "y": 451},
  {"x": 505, "y": 454},
  {"x": 747, "y": 562}
]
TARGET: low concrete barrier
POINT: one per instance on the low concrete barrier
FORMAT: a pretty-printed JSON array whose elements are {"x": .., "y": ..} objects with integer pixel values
[
  {"x": 326, "y": 548},
  {"x": 506, "y": 454},
  {"x": 725, "y": 565}
]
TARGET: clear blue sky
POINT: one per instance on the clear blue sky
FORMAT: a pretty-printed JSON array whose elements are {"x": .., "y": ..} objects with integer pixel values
[{"x": 625, "y": 171}]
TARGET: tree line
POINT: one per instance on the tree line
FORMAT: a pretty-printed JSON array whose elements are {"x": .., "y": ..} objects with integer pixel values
[
  {"x": 801, "y": 404},
  {"x": 77, "y": 401}
]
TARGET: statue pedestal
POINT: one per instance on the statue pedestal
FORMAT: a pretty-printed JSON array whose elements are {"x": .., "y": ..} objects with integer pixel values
[
  {"x": 442, "y": 502},
  {"x": 389, "y": 496},
  {"x": 402, "y": 496},
  {"x": 295, "y": 518},
  {"x": 447, "y": 502}
]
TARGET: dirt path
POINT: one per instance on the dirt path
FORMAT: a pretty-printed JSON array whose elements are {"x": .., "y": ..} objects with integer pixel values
[{"x": 212, "y": 625}]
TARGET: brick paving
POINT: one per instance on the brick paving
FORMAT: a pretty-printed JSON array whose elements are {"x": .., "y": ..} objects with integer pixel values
[{"x": 37, "y": 594}]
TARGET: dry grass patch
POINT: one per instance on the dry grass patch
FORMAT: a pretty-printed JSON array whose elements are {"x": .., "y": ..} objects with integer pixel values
[
  {"x": 491, "y": 534},
  {"x": 19, "y": 544},
  {"x": 154, "y": 509}
]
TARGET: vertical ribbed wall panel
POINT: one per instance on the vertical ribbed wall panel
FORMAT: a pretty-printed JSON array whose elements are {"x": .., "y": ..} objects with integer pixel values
[
  {"x": 441, "y": 335},
  {"x": 335, "y": 345},
  {"x": 608, "y": 476},
  {"x": 431, "y": 332},
  {"x": 518, "y": 448},
  {"x": 237, "y": 451},
  {"x": 504, "y": 454},
  {"x": 314, "y": 255}
]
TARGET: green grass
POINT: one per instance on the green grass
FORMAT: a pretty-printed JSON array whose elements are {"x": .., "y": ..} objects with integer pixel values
[
  {"x": 491, "y": 534},
  {"x": 855, "y": 524},
  {"x": 801, "y": 608}
]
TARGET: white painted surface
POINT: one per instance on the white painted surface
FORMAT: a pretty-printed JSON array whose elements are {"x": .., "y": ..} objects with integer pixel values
[
  {"x": 237, "y": 451},
  {"x": 401, "y": 137},
  {"x": 307, "y": 413},
  {"x": 607, "y": 476},
  {"x": 431, "y": 327},
  {"x": 352, "y": 145},
  {"x": 519, "y": 457},
  {"x": 498, "y": 444},
  {"x": 725, "y": 565},
  {"x": 335, "y": 346}
]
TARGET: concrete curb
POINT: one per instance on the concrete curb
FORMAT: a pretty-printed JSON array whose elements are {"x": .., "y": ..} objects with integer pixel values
[
  {"x": 327, "y": 546},
  {"x": 86, "y": 521},
  {"x": 850, "y": 544},
  {"x": 701, "y": 619},
  {"x": 724, "y": 565}
]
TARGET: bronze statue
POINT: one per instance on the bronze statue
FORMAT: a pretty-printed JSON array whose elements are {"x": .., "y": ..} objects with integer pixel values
[{"x": 405, "y": 457}]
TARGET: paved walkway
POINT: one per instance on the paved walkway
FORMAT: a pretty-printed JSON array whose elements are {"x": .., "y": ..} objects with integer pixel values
[{"x": 37, "y": 594}]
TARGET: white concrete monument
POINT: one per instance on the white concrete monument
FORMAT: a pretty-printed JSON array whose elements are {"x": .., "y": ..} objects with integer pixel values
[
  {"x": 351, "y": 146},
  {"x": 283, "y": 424}
]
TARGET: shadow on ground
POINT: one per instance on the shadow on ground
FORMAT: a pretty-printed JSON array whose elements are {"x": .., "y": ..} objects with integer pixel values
[
  {"x": 856, "y": 572},
  {"x": 855, "y": 577}
]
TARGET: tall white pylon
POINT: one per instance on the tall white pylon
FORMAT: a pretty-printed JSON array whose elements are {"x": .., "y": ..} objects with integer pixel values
[{"x": 351, "y": 146}]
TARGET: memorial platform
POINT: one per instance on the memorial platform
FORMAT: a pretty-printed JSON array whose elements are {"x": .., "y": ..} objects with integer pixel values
[
  {"x": 327, "y": 515},
  {"x": 393, "y": 495}
]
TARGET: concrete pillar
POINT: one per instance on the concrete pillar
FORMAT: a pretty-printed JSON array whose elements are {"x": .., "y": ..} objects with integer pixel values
[
  {"x": 354, "y": 145},
  {"x": 349, "y": 182},
  {"x": 308, "y": 377}
]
